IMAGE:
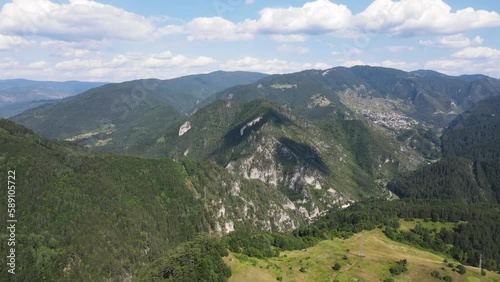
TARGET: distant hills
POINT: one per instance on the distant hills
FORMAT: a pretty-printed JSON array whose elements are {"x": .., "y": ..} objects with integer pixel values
[
  {"x": 413, "y": 105},
  {"x": 129, "y": 106},
  {"x": 18, "y": 95}
]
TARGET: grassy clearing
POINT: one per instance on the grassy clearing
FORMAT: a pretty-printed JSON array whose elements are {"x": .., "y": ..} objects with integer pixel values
[
  {"x": 380, "y": 253},
  {"x": 407, "y": 225}
]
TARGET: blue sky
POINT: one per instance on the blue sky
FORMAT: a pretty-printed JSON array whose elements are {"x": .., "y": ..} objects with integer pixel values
[{"x": 118, "y": 40}]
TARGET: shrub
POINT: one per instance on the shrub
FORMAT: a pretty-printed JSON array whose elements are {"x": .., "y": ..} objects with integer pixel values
[
  {"x": 336, "y": 266},
  {"x": 436, "y": 274}
]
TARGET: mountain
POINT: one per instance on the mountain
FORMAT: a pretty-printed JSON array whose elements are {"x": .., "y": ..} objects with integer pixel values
[
  {"x": 18, "y": 95},
  {"x": 470, "y": 167},
  {"x": 123, "y": 110},
  {"x": 414, "y": 106},
  {"x": 317, "y": 166},
  {"x": 88, "y": 216},
  {"x": 425, "y": 96}
]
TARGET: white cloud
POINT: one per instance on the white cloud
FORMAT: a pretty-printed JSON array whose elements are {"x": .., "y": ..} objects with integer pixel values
[
  {"x": 319, "y": 16},
  {"x": 13, "y": 42},
  {"x": 79, "y": 64},
  {"x": 58, "y": 48},
  {"x": 289, "y": 37},
  {"x": 8, "y": 63},
  {"x": 444, "y": 65},
  {"x": 458, "y": 41},
  {"x": 272, "y": 66},
  {"x": 76, "y": 20},
  {"x": 167, "y": 59},
  {"x": 453, "y": 41},
  {"x": 37, "y": 65},
  {"x": 207, "y": 28},
  {"x": 292, "y": 49},
  {"x": 399, "y": 65},
  {"x": 215, "y": 28},
  {"x": 410, "y": 17},
  {"x": 471, "y": 60},
  {"x": 477, "y": 53},
  {"x": 248, "y": 2}
]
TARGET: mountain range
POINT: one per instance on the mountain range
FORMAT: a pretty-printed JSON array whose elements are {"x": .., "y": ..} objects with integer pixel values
[
  {"x": 225, "y": 152},
  {"x": 18, "y": 95}
]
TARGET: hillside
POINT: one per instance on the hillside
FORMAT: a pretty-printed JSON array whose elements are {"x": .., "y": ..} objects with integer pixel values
[
  {"x": 403, "y": 240},
  {"x": 380, "y": 254},
  {"x": 18, "y": 95},
  {"x": 470, "y": 169},
  {"x": 414, "y": 106},
  {"x": 124, "y": 111},
  {"x": 423, "y": 96},
  {"x": 316, "y": 166},
  {"x": 135, "y": 209}
]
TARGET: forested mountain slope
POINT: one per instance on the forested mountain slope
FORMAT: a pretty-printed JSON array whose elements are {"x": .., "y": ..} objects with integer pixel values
[
  {"x": 85, "y": 216},
  {"x": 470, "y": 169},
  {"x": 118, "y": 110}
]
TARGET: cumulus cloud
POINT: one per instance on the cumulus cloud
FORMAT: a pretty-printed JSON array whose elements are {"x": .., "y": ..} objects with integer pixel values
[
  {"x": 13, "y": 42},
  {"x": 167, "y": 59},
  {"x": 37, "y": 65},
  {"x": 469, "y": 60},
  {"x": 215, "y": 28},
  {"x": 76, "y": 20},
  {"x": 271, "y": 66},
  {"x": 313, "y": 17},
  {"x": 459, "y": 41},
  {"x": 453, "y": 41},
  {"x": 477, "y": 53},
  {"x": 409, "y": 17},
  {"x": 402, "y": 65},
  {"x": 8, "y": 63},
  {"x": 120, "y": 67},
  {"x": 295, "y": 24}
]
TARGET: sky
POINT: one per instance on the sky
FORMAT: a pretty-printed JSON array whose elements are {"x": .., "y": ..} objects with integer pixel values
[{"x": 119, "y": 40}]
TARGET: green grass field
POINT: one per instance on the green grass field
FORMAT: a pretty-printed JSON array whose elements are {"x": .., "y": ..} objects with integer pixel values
[
  {"x": 315, "y": 264},
  {"x": 407, "y": 225}
]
